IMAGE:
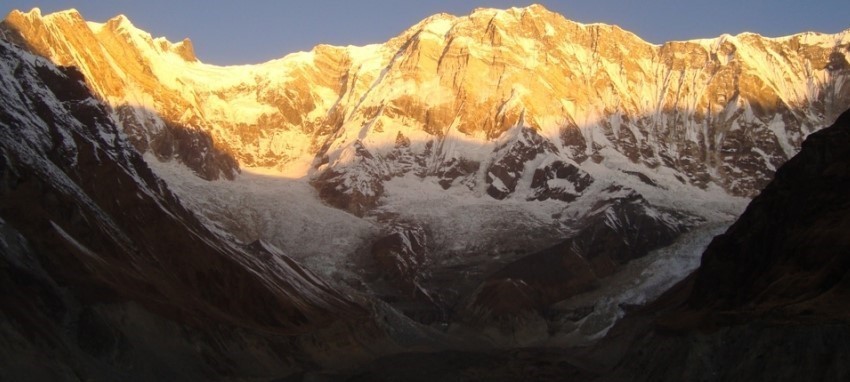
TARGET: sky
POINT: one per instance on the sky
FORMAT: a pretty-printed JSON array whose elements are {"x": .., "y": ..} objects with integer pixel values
[{"x": 243, "y": 32}]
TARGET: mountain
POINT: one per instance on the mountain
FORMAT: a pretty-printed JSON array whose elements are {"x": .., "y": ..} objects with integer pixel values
[
  {"x": 435, "y": 101},
  {"x": 490, "y": 136},
  {"x": 507, "y": 178},
  {"x": 104, "y": 270}
]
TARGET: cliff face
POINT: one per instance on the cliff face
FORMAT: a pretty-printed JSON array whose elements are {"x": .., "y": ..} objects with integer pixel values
[
  {"x": 725, "y": 111},
  {"x": 496, "y": 164},
  {"x": 116, "y": 60}
]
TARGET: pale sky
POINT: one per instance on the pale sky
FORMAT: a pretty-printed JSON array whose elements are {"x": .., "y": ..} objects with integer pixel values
[{"x": 241, "y": 32}]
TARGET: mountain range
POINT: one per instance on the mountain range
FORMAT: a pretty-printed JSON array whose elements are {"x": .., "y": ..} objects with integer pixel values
[{"x": 504, "y": 179}]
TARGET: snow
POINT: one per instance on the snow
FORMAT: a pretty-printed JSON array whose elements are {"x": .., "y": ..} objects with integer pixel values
[
  {"x": 496, "y": 182},
  {"x": 439, "y": 25},
  {"x": 223, "y": 97},
  {"x": 284, "y": 212},
  {"x": 777, "y": 126},
  {"x": 461, "y": 222}
]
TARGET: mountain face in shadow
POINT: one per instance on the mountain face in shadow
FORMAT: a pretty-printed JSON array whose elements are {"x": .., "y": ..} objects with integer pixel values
[
  {"x": 135, "y": 105},
  {"x": 482, "y": 138},
  {"x": 106, "y": 275},
  {"x": 789, "y": 250}
]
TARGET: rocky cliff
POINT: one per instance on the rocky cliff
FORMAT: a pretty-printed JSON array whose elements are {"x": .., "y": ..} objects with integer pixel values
[{"x": 767, "y": 303}]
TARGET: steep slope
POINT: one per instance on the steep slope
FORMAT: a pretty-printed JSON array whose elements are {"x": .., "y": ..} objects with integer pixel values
[
  {"x": 106, "y": 275},
  {"x": 112, "y": 59}
]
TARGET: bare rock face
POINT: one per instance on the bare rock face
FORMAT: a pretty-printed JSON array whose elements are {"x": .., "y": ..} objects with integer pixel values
[
  {"x": 788, "y": 249},
  {"x": 586, "y": 137},
  {"x": 768, "y": 302},
  {"x": 161, "y": 127},
  {"x": 401, "y": 255},
  {"x": 509, "y": 163},
  {"x": 403, "y": 263},
  {"x": 184, "y": 49},
  {"x": 559, "y": 180},
  {"x": 520, "y": 106}
]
